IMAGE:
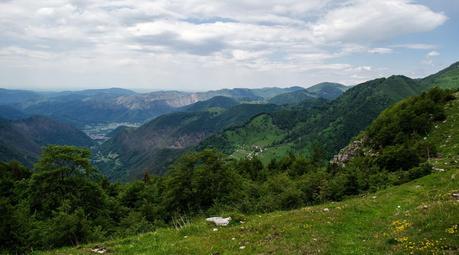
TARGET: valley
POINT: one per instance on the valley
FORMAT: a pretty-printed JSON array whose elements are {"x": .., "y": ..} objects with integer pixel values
[
  {"x": 101, "y": 132},
  {"x": 229, "y": 127},
  {"x": 418, "y": 217},
  {"x": 267, "y": 166}
]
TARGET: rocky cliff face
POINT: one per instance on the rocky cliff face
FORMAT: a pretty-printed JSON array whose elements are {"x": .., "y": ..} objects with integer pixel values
[{"x": 354, "y": 149}]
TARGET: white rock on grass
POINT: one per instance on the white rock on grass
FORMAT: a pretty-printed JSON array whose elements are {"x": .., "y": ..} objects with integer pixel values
[
  {"x": 219, "y": 221},
  {"x": 99, "y": 250}
]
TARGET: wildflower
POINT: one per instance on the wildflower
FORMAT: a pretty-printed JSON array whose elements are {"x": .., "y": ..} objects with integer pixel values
[
  {"x": 452, "y": 230},
  {"x": 400, "y": 226}
]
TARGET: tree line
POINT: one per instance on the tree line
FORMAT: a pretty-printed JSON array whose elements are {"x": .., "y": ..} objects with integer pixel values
[{"x": 64, "y": 200}]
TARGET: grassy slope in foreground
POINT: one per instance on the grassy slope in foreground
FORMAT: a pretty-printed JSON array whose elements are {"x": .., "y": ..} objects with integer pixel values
[{"x": 420, "y": 217}]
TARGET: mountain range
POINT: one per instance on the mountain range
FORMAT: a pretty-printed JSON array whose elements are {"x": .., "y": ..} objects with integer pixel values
[
  {"x": 94, "y": 106},
  {"x": 266, "y": 123},
  {"x": 268, "y": 134},
  {"x": 197, "y": 116}
]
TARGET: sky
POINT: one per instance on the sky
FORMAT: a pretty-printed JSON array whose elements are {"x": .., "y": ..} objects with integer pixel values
[{"x": 202, "y": 44}]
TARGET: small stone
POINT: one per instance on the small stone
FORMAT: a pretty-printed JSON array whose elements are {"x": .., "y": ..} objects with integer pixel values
[
  {"x": 99, "y": 250},
  {"x": 219, "y": 221},
  {"x": 242, "y": 248},
  {"x": 425, "y": 207},
  {"x": 326, "y": 210}
]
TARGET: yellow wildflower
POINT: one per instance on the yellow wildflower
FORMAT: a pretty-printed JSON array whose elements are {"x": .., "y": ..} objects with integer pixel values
[{"x": 452, "y": 230}]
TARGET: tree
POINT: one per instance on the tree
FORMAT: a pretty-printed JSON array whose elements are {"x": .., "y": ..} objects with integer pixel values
[
  {"x": 198, "y": 181},
  {"x": 64, "y": 174}
]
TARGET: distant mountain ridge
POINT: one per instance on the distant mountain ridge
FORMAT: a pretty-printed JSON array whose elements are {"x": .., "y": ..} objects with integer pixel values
[
  {"x": 121, "y": 105},
  {"x": 325, "y": 90}
]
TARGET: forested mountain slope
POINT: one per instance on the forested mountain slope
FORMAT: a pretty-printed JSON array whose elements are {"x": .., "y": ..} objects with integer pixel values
[
  {"x": 153, "y": 146},
  {"x": 325, "y": 90},
  {"x": 393, "y": 215},
  {"x": 333, "y": 125},
  {"x": 23, "y": 139}
]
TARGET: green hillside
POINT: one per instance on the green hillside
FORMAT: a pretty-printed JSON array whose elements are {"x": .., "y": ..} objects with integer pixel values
[
  {"x": 292, "y": 98},
  {"x": 418, "y": 217},
  {"x": 447, "y": 78},
  {"x": 23, "y": 139},
  {"x": 155, "y": 145},
  {"x": 325, "y": 90},
  {"x": 218, "y": 103},
  {"x": 332, "y": 126}
]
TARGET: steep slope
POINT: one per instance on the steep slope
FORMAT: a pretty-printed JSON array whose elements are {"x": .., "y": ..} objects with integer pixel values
[
  {"x": 419, "y": 217},
  {"x": 156, "y": 144},
  {"x": 447, "y": 78},
  {"x": 332, "y": 126},
  {"x": 22, "y": 139}
]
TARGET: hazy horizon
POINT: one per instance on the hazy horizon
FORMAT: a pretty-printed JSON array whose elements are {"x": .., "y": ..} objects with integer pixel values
[{"x": 202, "y": 45}]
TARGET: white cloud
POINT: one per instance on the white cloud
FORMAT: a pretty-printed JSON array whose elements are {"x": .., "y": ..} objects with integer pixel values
[
  {"x": 433, "y": 54},
  {"x": 416, "y": 46},
  {"x": 429, "y": 57},
  {"x": 375, "y": 20},
  {"x": 221, "y": 39},
  {"x": 380, "y": 50}
]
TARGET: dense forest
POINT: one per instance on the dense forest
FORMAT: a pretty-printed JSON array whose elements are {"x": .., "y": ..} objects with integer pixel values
[{"x": 63, "y": 200}]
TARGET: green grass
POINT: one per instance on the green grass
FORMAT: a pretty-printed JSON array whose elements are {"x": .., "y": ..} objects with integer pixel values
[
  {"x": 447, "y": 78},
  {"x": 397, "y": 220},
  {"x": 446, "y": 137},
  {"x": 420, "y": 217},
  {"x": 255, "y": 138}
]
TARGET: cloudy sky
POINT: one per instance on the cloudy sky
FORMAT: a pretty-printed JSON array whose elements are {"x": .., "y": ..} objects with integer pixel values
[{"x": 208, "y": 44}]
